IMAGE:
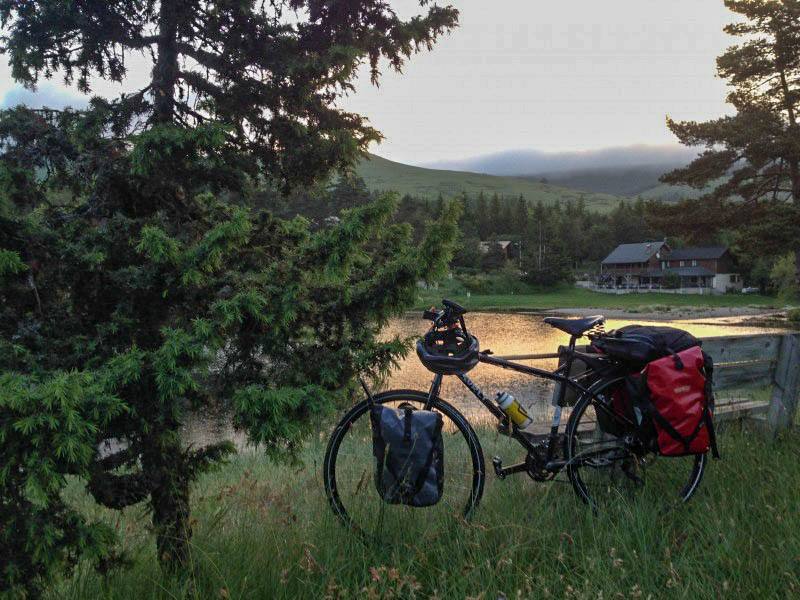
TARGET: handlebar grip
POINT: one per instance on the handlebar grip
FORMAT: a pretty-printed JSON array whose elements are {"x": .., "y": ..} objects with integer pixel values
[{"x": 460, "y": 310}]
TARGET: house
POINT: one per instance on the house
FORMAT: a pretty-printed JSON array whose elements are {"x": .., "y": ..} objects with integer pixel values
[
  {"x": 504, "y": 244},
  {"x": 645, "y": 264},
  {"x": 712, "y": 267},
  {"x": 629, "y": 264}
]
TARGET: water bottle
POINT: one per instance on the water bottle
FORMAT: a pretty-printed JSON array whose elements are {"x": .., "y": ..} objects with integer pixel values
[{"x": 514, "y": 410}]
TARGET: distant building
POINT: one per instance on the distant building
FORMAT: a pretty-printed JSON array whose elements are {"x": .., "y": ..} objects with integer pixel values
[
  {"x": 645, "y": 264},
  {"x": 629, "y": 264},
  {"x": 504, "y": 244}
]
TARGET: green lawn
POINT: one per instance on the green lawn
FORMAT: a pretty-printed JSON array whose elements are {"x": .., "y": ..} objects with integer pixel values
[
  {"x": 570, "y": 297},
  {"x": 265, "y": 531}
]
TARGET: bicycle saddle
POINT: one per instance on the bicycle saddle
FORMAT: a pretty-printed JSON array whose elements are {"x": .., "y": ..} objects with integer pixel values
[{"x": 576, "y": 327}]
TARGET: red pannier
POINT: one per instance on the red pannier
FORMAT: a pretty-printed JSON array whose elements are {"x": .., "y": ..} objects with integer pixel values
[{"x": 679, "y": 402}]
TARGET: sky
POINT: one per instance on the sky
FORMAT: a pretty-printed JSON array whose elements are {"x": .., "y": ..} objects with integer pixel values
[{"x": 548, "y": 75}]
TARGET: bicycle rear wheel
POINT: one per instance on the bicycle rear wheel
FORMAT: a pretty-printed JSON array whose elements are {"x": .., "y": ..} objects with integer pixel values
[
  {"x": 348, "y": 472},
  {"x": 605, "y": 467}
]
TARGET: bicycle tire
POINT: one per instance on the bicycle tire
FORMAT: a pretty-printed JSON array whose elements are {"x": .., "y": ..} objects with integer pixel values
[
  {"x": 602, "y": 468},
  {"x": 356, "y": 422}
]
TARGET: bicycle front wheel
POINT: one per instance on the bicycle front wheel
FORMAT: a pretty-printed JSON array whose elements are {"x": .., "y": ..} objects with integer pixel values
[
  {"x": 605, "y": 467},
  {"x": 349, "y": 466}
]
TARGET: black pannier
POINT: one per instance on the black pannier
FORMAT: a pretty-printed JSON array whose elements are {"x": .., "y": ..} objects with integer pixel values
[
  {"x": 641, "y": 344},
  {"x": 409, "y": 455}
]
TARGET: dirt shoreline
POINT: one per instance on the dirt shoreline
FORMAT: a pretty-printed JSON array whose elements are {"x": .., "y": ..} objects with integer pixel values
[{"x": 738, "y": 315}]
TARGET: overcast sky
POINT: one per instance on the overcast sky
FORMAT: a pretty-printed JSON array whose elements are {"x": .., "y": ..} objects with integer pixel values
[{"x": 549, "y": 75}]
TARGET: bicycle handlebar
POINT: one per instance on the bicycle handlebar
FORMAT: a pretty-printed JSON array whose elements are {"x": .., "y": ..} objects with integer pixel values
[{"x": 451, "y": 314}]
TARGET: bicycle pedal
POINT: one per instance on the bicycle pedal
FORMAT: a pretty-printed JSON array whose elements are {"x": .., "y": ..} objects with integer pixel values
[{"x": 498, "y": 467}]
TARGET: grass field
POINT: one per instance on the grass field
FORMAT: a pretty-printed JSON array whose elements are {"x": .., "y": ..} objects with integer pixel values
[
  {"x": 571, "y": 297},
  {"x": 265, "y": 531},
  {"x": 381, "y": 174}
]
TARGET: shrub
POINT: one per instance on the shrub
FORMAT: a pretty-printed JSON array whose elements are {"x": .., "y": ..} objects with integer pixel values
[
  {"x": 784, "y": 277},
  {"x": 671, "y": 281}
]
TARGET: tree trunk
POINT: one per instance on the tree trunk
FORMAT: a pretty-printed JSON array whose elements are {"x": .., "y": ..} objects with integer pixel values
[
  {"x": 165, "y": 71},
  {"x": 169, "y": 501}
]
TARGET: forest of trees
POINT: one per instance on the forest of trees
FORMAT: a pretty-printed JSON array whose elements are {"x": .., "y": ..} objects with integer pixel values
[
  {"x": 560, "y": 241},
  {"x": 555, "y": 240}
]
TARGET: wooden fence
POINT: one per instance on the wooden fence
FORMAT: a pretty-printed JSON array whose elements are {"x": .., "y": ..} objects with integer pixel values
[{"x": 757, "y": 377}]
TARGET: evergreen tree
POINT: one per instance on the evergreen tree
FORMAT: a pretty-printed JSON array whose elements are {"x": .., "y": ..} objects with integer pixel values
[
  {"x": 439, "y": 208},
  {"x": 784, "y": 278},
  {"x": 495, "y": 215},
  {"x": 521, "y": 216},
  {"x": 758, "y": 148},
  {"x": 135, "y": 271},
  {"x": 468, "y": 254},
  {"x": 506, "y": 219},
  {"x": 467, "y": 224},
  {"x": 494, "y": 259},
  {"x": 482, "y": 216}
]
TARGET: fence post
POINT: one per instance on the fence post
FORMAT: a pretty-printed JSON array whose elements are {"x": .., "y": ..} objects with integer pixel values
[{"x": 786, "y": 387}]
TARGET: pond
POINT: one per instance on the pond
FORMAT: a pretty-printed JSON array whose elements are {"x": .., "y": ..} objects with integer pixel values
[
  {"x": 505, "y": 334},
  {"x": 519, "y": 334}
]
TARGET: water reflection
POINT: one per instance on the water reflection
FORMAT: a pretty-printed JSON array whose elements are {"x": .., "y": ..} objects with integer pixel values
[
  {"x": 505, "y": 334},
  {"x": 515, "y": 334}
]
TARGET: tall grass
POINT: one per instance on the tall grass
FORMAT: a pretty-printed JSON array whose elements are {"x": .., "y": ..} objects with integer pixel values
[{"x": 265, "y": 531}]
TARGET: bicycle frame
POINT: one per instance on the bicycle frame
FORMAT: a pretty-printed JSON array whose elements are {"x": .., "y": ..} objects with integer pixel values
[{"x": 560, "y": 375}]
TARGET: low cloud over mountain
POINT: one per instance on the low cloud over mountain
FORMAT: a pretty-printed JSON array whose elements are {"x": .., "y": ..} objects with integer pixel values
[
  {"x": 535, "y": 162},
  {"x": 625, "y": 170}
]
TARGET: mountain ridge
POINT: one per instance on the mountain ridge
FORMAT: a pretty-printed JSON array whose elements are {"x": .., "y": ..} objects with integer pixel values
[
  {"x": 516, "y": 163},
  {"x": 601, "y": 188},
  {"x": 381, "y": 174}
]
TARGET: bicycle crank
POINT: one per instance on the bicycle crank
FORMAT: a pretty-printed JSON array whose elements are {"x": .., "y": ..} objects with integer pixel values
[
  {"x": 503, "y": 472},
  {"x": 533, "y": 466}
]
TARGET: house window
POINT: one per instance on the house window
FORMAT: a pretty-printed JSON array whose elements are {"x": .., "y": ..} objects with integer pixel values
[
  {"x": 683, "y": 263},
  {"x": 694, "y": 263}
]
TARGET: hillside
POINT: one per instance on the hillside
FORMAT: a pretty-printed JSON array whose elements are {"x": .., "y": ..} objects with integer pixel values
[
  {"x": 537, "y": 163},
  {"x": 620, "y": 181},
  {"x": 382, "y": 174},
  {"x": 629, "y": 171}
]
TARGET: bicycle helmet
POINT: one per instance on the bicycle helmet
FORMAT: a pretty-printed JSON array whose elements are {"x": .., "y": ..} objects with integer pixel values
[{"x": 448, "y": 351}]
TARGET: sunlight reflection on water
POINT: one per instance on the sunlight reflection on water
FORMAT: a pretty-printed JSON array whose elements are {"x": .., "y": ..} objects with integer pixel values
[
  {"x": 514, "y": 334},
  {"x": 503, "y": 333}
]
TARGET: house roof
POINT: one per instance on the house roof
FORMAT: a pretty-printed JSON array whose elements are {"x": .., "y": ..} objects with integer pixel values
[
  {"x": 683, "y": 272},
  {"x": 697, "y": 253},
  {"x": 633, "y": 253},
  {"x": 503, "y": 243}
]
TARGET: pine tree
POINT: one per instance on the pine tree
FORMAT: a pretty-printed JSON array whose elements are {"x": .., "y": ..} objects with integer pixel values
[
  {"x": 757, "y": 149},
  {"x": 482, "y": 216},
  {"x": 521, "y": 216},
  {"x": 133, "y": 263},
  {"x": 506, "y": 219},
  {"x": 495, "y": 215}
]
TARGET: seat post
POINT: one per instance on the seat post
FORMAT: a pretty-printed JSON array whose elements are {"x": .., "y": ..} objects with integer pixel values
[{"x": 562, "y": 390}]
